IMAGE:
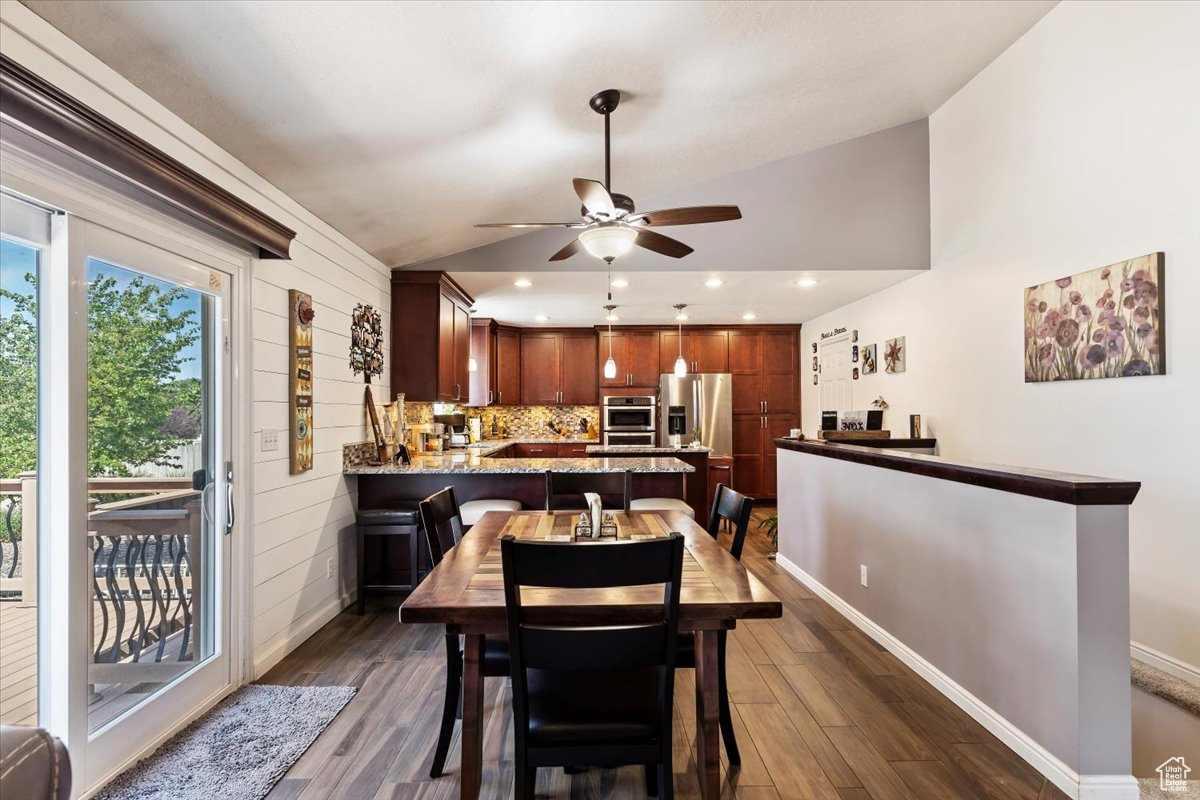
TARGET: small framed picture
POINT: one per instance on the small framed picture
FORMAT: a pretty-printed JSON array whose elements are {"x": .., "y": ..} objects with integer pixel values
[
  {"x": 914, "y": 426},
  {"x": 854, "y": 374},
  {"x": 854, "y": 354},
  {"x": 853, "y": 336},
  {"x": 814, "y": 363},
  {"x": 814, "y": 347},
  {"x": 814, "y": 379}
]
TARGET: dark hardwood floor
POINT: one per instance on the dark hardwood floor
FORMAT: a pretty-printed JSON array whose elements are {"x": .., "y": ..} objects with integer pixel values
[{"x": 820, "y": 710}]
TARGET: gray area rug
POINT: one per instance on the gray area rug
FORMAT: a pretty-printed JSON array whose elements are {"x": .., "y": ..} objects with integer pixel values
[
  {"x": 238, "y": 750},
  {"x": 1165, "y": 685}
]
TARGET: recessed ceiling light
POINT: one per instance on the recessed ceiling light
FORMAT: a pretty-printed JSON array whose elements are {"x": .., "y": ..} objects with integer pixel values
[
  {"x": 541, "y": 318},
  {"x": 713, "y": 283},
  {"x": 806, "y": 282},
  {"x": 749, "y": 315},
  {"x": 522, "y": 283},
  {"x": 620, "y": 283}
]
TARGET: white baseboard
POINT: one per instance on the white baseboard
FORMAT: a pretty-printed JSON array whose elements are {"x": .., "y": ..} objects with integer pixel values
[
  {"x": 1108, "y": 787},
  {"x": 1168, "y": 664},
  {"x": 1079, "y": 787},
  {"x": 263, "y": 662}
]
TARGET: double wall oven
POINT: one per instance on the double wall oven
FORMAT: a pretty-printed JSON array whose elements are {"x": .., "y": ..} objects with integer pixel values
[{"x": 630, "y": 420}]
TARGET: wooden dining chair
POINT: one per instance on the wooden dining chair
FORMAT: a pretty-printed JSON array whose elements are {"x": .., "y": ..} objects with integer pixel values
[
  {"x": 592, "y": 695},
  {"x": 444, "y": 529},
  {"x": 733, "y": 508},
  {"x": 564, "y": 490}
]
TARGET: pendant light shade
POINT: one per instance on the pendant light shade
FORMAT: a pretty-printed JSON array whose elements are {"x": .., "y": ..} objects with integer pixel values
[
  {"x": 681, "y": 367},
  {"x": 610, "y": 366}
]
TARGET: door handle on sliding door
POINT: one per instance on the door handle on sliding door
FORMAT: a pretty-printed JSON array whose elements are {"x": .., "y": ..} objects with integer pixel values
[{"x": 229, "y": 513}]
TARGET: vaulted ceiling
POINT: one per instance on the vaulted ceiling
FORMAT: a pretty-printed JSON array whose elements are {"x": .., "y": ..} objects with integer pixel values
[{"x": 401, "y": 124}]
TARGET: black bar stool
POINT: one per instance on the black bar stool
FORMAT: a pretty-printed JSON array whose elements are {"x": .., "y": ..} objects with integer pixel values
[{"x": 395, "y": 571}]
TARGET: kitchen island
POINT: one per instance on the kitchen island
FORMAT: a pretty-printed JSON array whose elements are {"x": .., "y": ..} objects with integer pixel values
[
  {"x": 477, "y": 474},
  {"x": 696, "y": 485}
]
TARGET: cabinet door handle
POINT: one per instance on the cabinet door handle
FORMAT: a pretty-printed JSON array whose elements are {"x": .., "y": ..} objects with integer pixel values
[
  {"x": 500, "y": 398},
  {"x": 489, "y": 397},
  {"x": 763, "y": 420}
]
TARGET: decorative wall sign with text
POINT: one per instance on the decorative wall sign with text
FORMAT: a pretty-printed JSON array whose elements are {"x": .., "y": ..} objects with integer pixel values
[{"x": 300, "y": 383}]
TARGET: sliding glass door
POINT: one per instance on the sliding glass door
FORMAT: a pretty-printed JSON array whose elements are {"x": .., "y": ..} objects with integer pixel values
[
  {"x": 117, "y": 520},
  {"x": 159, "y": 491}
]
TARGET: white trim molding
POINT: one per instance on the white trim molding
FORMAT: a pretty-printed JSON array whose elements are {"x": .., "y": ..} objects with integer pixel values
[
  {"x": 1168, "y": 664},
  {"x": 300, "y": 631},
  {"x": 1076, "y": 786}
]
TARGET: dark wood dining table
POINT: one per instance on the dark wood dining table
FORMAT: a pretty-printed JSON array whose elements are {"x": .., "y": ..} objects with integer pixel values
[{"x": 466, "y": 593}]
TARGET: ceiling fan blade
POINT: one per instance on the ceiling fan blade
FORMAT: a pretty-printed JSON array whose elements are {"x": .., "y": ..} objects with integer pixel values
[
  {"x": 529, "y": 225},
  {"x": 661, "y": 244},
  {"x": 571, "y": 249},
  {"x": 595, "y": 197},
  {"x": 693, "y": 215}
]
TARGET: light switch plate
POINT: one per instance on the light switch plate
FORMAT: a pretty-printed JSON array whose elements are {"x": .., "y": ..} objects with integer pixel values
[
  {"x": 270, "y": 439},
  {"x": 862, "y": 574}
]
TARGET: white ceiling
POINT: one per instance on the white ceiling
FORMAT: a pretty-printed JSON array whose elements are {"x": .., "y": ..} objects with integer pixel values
[
  {"x": 401, "y": 124},
  {"x": 574, "y": 298}
]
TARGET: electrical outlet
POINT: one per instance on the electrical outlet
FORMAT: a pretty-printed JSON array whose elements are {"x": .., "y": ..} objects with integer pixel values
[
  {"x": 329, "y": 567},
  {"x": 862, "y": 574},
  {"x": 270, "y": 439}
]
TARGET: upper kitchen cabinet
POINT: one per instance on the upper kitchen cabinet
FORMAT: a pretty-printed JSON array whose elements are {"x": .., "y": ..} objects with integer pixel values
[
  {"x": 636, "y": 354},
  {"x": 431, "y": 337},
  {"x": 765, "y": 369},
  {"x": 559, "y": 367},
  {"x": 704, "y": 350},
  {"x": 496, "y": 351}
]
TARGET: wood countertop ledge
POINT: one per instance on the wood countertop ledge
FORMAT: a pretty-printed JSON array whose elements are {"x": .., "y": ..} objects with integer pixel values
[{"x": 1060, "y": 487}]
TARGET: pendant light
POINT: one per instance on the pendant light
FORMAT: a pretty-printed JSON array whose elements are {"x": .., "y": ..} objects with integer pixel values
[
  {"x": 681, "y": 367},
  {"x": 610, "y": 366}
]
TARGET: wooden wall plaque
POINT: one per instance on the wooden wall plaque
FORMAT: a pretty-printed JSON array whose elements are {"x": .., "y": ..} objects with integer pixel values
[{"x": 300, "y": 383}]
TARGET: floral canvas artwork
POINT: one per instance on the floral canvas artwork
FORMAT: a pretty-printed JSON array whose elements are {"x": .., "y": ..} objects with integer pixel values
[{"x": 1103, "y": 323}]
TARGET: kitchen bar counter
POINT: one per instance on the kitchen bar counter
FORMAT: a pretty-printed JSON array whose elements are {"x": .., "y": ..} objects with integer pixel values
[
  {"x": 477, "y": 461},
  {"x": 641, "y": 449}
]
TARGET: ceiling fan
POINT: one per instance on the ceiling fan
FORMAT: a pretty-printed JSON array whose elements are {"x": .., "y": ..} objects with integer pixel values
[{"x": 610, "y": 227}]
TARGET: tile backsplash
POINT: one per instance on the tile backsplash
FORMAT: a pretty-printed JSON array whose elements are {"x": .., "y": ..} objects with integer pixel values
[{"x": 528, "y": 421}]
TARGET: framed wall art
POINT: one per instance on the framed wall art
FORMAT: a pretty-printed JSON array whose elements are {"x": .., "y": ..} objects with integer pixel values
[
  {"x": 1103, "y": 323},
  {"x": 869, "y": 366},
  {"x": 366, "y": 357},
  {"x": 894, "y": 355}
]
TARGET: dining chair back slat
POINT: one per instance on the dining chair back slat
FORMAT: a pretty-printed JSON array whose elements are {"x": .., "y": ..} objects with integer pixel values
[
  {"x": 734, "y": 507},
  {"x": 564, "y": 490},
  {"x": 442, "y": 522}
]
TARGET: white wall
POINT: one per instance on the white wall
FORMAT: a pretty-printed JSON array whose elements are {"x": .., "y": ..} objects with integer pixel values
[
  {"x": 298, "y": 522},
  {"x": 1076, "y": 148}
]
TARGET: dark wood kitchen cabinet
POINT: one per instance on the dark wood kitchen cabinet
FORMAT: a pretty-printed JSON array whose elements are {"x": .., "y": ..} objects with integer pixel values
[
  {"x": 704, "y": 350},
  {"x": 559, "y": 368},
  {"x": 636, "y": 354},
  {"x": 496, "y": 349},
  {"x": 508, "y": 366},
  {"x": 765, "y": 369},
  {"x": 431, "y": 337}
]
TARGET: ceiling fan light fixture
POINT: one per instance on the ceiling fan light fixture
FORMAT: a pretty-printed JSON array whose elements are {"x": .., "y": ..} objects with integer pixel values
[{"x": 608, "y": 241}]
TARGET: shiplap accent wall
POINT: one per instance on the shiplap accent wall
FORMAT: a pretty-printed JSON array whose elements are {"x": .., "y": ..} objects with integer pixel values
[{"x": 296, "y": 522}]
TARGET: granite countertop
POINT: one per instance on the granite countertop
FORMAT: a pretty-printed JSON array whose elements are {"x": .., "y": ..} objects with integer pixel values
[
  {"x": 618, "y": 449},
  {"x": 477, "y": 460}
]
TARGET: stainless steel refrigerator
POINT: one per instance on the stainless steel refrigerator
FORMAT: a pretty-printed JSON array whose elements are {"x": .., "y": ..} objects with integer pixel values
[{"x": 703, "y": 401}]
